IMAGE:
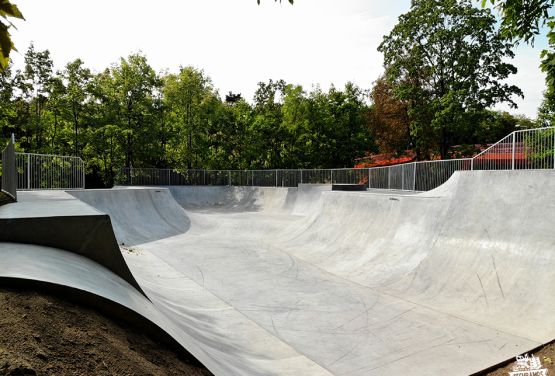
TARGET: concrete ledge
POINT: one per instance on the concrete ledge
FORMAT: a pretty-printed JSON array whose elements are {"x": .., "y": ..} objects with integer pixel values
[
  {"x": 348, "y": 187},
  {"x": 57, "y": 220}
]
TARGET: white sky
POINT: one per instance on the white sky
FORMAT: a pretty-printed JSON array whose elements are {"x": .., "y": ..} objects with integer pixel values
[{"x": 236, "y": 42}]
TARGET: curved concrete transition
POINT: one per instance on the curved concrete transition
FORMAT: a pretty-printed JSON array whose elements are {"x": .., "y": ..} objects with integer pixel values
[{"x": 309, "y": 281}]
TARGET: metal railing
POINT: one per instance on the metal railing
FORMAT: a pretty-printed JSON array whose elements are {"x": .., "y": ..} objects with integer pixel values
[
  {"x": 523, "y": 149},
  {"x": 9, "y": 174},
  {"x": 416, "y": 176},
  {"x": 258, "y": 178},
  {"x": 48, "y": 171}
]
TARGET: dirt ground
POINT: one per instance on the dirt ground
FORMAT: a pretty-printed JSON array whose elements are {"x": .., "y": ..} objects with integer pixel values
[
  {"x": 44, "y": 335},
  {"x": 547, "y": 358}
]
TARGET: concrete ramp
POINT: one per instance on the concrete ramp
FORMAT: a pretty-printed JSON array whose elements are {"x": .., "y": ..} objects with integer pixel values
[
  {"x": 296, "y": 201},
  {"x": 309, "y": 281},
  {"x": 138, "y": 215},
  {"x": 184, "y": 322},
  {"x": 56, "y": 219}
]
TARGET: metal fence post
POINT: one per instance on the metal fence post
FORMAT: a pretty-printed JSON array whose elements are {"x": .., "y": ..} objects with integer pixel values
[
  {"x": 513, "y": 152},
  {"x": 28, "y": 171},
  {"x": 331, "y": 176},
  {"x": 276, "y": 178},
  {"x": 389, "y": 178},
  {"x": 414, "y": 177},
  {"x": 302, "y": 174},
  {"x": 83, "y": 172},
  {"x": 368, "y": 178}
]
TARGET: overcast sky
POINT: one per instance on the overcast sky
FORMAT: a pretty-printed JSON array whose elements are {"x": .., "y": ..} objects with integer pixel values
[{"x": 236, "y": 42}]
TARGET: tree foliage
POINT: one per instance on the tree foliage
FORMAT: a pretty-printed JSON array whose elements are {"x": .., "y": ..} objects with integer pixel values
[
  {"x": 389, "y": 120},
  {"x": 523, "y": 20},
  {"x": 446, "y": 60},
  {"x": 7, "y": 11},
  {"x": 130, "y": 115}
]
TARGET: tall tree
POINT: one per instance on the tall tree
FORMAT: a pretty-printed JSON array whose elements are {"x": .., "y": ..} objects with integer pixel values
[
  {"x": 190, "y": 96},
  {"x": 34, "y": 84},
  {"x": 134, "y": 85},
  {"x": 78, "y": 80},
  {"x": 266, "y": 126},
  {"x": 351, "y": 135},
  {"x": 447, "y": 60},
  {"x": 8, "y": 110},
  {"x": 388, "y": 119},
  {"x": 296, "y": 126}
]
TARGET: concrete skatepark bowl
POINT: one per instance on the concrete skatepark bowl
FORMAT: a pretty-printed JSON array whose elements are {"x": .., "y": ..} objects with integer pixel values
[{"x": 309, "y": 281}]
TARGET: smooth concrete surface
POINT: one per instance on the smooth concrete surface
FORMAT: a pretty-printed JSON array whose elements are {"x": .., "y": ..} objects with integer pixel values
[
  {"x": 56, "y": 219},
  {"x": 308, "y": 281},
  {"x": 131, "y": 213},
  {"x": 201, "y": 322}
]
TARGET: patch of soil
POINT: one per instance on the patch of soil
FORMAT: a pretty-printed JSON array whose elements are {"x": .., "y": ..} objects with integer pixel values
[
  {"x": 41, "y": 334},
  {"x": 546, "y": 355}
]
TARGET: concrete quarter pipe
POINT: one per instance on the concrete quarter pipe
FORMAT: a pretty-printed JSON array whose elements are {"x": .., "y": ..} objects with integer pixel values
[{"x": 309, "y": 281}]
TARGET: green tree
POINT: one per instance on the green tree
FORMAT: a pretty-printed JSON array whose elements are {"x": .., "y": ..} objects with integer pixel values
[
  {"x": 350, "y": 133},
  {"x": 55, "y": 111},
  {"x": 239, "y": 135},
  {"x": 296, "y": 126},
  {"x": 104, "y": 151},
  {"x": 191, "y": 99},
  {"x": 132, "y": 87},
  {"x": 446, "y": 59},
  {"x": 268, "y": 135},
  {"x": 34, "y": 84},
  {"x": 78, "y": 81},
  {"x": 8, "y": 110}
]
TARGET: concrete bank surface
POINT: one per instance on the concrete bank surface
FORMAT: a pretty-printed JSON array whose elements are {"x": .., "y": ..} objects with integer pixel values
[{"x": 310, "y": 281}]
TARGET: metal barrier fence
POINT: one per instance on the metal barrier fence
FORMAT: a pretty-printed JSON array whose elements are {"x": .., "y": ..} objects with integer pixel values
[
  {"x": 521, "y": 150},
  {"x": 524, "y": 149},
  {"x": 9, "y": 175},
  {"x": 258, "y": 178},
  {"x": 48, "y": 171}
]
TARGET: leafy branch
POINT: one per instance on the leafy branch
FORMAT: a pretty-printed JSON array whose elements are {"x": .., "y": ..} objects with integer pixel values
[{"x": 7, "y": 11}]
